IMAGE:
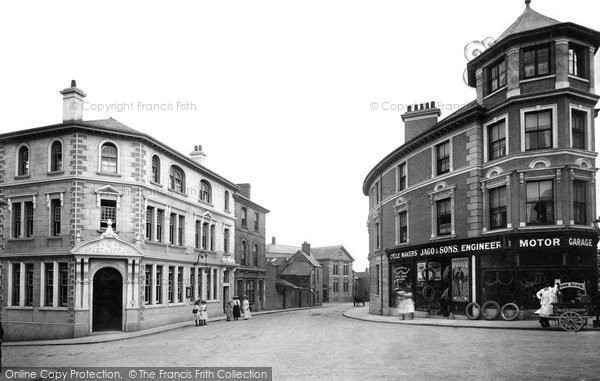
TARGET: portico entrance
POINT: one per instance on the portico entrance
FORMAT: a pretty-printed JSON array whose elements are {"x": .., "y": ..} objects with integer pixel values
[{"x": 107, "y": 309}]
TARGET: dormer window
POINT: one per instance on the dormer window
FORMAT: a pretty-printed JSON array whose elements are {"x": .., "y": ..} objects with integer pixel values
[
  {"x": 497, "y": 75},
  {"x": 536, "y": 61}
]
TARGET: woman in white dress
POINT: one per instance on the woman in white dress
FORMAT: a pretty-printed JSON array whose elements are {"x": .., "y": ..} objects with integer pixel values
[
  {"x": 246, "y": 308},
  {"x": 203, "y": 313},
  {"x": 547, "y": 296},
  {"x": 406, "y": 306}
]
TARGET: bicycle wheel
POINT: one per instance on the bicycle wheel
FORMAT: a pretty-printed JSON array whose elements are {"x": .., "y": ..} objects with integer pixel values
[{"x": 428, "y": 293}]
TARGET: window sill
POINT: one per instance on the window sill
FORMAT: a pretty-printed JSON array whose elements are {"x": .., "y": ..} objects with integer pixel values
[
  {"x": 496, "y": 231},
  {"x": 582, "y": 79},
  {"x": 26, "y": 308},
  {"x": 403, "y": 244},
  {"x": 54, "y": 237},
  {"x": 55, "y": 173},
  {"x": 21, "y": 239},
  {"x": 21, "y": 177},
  {"x": 541, "y": 227},
  {"x": 494, "y": 92},
  {"x": 205, "y": 203},
  {"x": 110, "y": 174},
  {"x": 176, "y": 246},
  {"x": 539, "y": 78},
  {"x": 443, "y": 237},
  {"x": 177, "y": 192},
  {"x": 48, "y": 308},
  {"x": 157, "y": 184},
  {"x": 104, "y": 231},
  {"x": 155, "y": 243}
]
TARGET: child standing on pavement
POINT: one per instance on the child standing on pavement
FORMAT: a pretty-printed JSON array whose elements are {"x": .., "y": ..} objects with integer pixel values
[
  {"x": 203, "y": 313},
  {"x": 228, "y": 310},
  {"x": 196, "y": 312}
]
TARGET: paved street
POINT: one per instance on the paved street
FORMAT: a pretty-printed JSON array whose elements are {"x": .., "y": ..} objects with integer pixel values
[{"x": 322, "y": 344}]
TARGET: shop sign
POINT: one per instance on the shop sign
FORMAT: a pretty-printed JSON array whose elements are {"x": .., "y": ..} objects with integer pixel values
[
  {"x": 549, "y": 242},
  {"x": 448, "y": 250}
]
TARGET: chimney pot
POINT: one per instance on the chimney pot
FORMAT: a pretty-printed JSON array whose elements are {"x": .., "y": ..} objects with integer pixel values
[
  {"x": 72, "y": 103},
  {"x": 427, "y": 105},
  {"x": 432, "y": 104},
  {"x": 273, "y": 241},
  {"x": 409, "y": 108},
  {"x": 421, "y": 108},
  {"x": 198, "y": 155}
]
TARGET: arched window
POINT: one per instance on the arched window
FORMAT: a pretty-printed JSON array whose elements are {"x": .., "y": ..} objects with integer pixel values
[
  {"x": 56, "y": 157},
  {"x": 23, "y": 161},
  {"x": 227, "y": 200},
  {"x": 255, "y": 255},
  {"x": 155, "y": 169},
  {"x": 244, "y": 252},
  {"x": 244, "y": 217},
  {"x": 205, "y": 191},
  {"x": 108, "y": 158},
  {"x": 177, "y": 179}
]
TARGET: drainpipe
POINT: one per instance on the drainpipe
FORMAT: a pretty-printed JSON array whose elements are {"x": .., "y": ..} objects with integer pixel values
[{"x": 380, "y": 243}]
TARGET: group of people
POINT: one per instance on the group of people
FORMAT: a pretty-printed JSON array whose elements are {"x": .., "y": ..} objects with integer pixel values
[{"x": 234, "y": 309}]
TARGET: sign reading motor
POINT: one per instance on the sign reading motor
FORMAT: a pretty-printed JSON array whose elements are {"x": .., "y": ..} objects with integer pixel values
[{"x": 539, "y": 242}]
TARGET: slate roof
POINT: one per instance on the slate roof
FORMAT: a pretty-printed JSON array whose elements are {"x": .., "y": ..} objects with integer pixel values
[
  {"x": 110, "y": 124},
  {"x": 284, "y": 282},
  {"x": 529, "y": 20},
  {"x": 298, "y": 268},
  {"x": 310, "y": 258},
  {"x": 274, "y": 251},
  {"x": 328, "y": 252}
]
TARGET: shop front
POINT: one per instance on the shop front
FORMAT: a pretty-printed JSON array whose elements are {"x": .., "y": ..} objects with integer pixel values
[{"x": 508, "y": 268}]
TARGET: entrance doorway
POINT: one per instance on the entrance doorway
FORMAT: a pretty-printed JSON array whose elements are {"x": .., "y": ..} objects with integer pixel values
[
  {"x": 225, "y": 296},
  {"x": 107, "y": 313}
]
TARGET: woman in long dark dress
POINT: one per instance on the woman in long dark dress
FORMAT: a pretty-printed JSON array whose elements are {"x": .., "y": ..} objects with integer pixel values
[{"x": 236, "y": 308}]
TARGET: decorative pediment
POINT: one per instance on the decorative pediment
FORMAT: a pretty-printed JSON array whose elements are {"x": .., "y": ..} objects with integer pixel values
[
  {"x": 107, "y": 245},
  {"x": 108, "y": 191},
  {"x": 401, "y": 205},
  {"x": 441, "y": 191}
]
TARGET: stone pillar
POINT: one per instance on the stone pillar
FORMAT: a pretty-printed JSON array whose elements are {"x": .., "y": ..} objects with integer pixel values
[
  {"x": 86, "y": 284},
  {"x": 512, "y": 73},
  {"x": 508, "y": 203},
  {"x": 522, "y": 201},
  {"x": 479, "y": 81},
  {"x": 78, "y": 284},
  {"x": 591, "y": 69},
  {"x": 486, "y": 208},
  {"x": 559, "y": 201},
  {"x": 136, "y": 283},
  {"x": 129, "y": 285},
  {"x": 562, "y": 64}
]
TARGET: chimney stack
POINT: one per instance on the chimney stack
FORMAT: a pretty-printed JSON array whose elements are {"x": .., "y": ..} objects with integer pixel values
[
  {"x": 245, "y": 190},
  {"x": 306, "y": 247},
  {"x": 198, "y": 155},
  {"x": 72, "y": 103},
  {"x": 273, "y": 242},
  {"x": 419, "y": 119}
]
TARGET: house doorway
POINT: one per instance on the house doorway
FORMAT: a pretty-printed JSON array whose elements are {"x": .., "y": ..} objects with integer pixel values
[{"x": 107, "y": 313}]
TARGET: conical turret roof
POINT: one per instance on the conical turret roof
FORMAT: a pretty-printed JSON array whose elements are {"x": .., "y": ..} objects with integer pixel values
[{"x": 529, "y": 20}]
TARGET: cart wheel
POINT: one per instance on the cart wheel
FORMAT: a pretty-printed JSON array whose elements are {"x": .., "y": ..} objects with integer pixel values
[{"x": 570, "y": 321}]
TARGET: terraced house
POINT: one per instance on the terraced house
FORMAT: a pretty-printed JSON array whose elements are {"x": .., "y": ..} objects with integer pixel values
[{"x": 107, "y": 228}]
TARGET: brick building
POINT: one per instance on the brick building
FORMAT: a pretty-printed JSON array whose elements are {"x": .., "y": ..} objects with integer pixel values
[
  {"x": 294, "y": 277},
  {"x": 499, "y": 197},
  {"x": 107, "y": 228},
  {"x": 338, "y": 279},
  {"x": 250, "y": 248}
]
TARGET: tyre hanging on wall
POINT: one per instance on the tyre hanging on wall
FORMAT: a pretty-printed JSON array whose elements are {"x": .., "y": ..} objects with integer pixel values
[{"x": 428, "y": 293}]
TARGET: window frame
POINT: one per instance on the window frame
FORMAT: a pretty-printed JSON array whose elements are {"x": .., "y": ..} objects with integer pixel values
[
  {"x": 554, "y": 125},
  {"x": 441, "y": 217},
  {"x": 500, "y": 141},
  {"x": 177, "y": 183},
  {"x": 103, "y": 155},
  {"x": 104, "y": 221},
  {"x": 580, "y": 207},
  {"x": 536, "y": 49},
  {"x": 577, "y": 61},
  {"x": 501, "y": 209},
  {"x": 495, "y": 67},
  {"x": 443, "y": 165},
  {"x": 547, "y": 202},
  {"x": 205, "y": 191},
  {"x": 244, "y": 219},
  {"x": 586, "y": 133},
  {"x": 155, "y": 171},
  {"x": 403, "y": 228},
  {"x": 55, "y": 159},
  {"x": 23, "y": 161},
  {"x": 402, "y": 177},
  {"x": 55, "y": 221}
]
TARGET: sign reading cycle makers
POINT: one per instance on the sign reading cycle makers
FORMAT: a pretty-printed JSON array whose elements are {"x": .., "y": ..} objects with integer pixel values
[{"x": 468, "y": 248}]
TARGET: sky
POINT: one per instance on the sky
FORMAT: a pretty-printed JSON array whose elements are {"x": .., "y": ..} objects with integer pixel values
[{"x": 298, "y": 98}]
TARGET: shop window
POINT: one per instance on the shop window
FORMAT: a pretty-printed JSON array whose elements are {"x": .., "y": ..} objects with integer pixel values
[
  {"x": 540, "y": 202},
  {"x": 443, "y": 158},
  {"x": 538, "y": 130},
  {"x": 497, "y": 208},
  {"x": 577, "y": 60},
  {"x": 578, "y": 128},
  {"x": 23, "y": 161},
  {"x": 579, "y": 202},
  {"x": 148, "y": 284},
  {"x": 250, "y": 290},
  {"x": 108, "y": 158},
  {"x": 497, "y": 75},
  {"x": 536, "y": 61},
  {"x": 56, "y": 156},
  {"x": 497, "y": 140},
  {"x": 402, "y": 227},
  {"x": 444, "y": 217},
  {"x": 402, "y": 176}
]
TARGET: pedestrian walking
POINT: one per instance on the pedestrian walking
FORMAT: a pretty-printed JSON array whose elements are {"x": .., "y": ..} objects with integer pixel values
[
  {"x": 246, "y": 308},
  {"x": 229, "y": 310},
  {"x": 196, "y": 312},
  {"x": 236, "y": 308},
  {"x": 547, "y": 296},
  {"x": 203, "y": 313},
  {"x": 406, "y": 306}
]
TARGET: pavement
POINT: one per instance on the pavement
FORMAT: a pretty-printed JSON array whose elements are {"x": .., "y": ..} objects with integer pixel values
[
  {"x": 362, "y": 313},
  {"x": 357, "y": 313}
]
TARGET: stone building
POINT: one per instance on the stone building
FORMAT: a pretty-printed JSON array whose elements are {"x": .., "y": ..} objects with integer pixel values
[
  {"x": 250, "y": 248},
  {"x": 107, "y": 228},
  {"x": 498, "y": 198},
  {"x": 338, "y": 279}
]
